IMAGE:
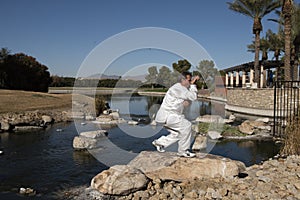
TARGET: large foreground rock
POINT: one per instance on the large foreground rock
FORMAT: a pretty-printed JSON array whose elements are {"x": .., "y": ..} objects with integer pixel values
[
  {"x": 168, "y": 166},
  {"x": 159, "y": 167}
]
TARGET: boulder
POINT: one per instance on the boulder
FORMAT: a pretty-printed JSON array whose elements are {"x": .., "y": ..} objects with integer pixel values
[
  {"x": 265, "y": 120},
  {"x": 132, "y": 122},
  {"x": 249, "y": 127},
  {"x": 47, "y": 119},
  {"x": 4, "y": 125},
  {"x": 27, "y": 128},
  {"x": 119, "y": 180},
  {"x": 213, "y": 119},
  {"x": 89, "y": 117},
  {"x": 168, "y": 166},
  {"x": 200, "y": 143},
  {"x": 214, "y": 135},
  {"x": 94, "y": 134},
  {"x": 115, "y": 115},
  {"x": 81, "y": 143}
]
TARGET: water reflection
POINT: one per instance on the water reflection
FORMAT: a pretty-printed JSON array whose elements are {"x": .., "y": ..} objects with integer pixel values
[{"x": 249, "y": 152}]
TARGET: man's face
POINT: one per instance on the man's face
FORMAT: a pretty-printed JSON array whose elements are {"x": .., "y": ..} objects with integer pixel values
[{"x": 186, "y": 81}]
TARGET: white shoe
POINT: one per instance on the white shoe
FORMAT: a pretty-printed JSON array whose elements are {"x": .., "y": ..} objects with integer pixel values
[
  {"x": 159, "y": 148},
  {"x": 186, "y": 154}
]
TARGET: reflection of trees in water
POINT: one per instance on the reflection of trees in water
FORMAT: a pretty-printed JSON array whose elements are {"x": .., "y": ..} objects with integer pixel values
[
  {"x": 153, "y": 103},
  {"x": 218, "y": 109},
  {"x": 250, "y": 151}
]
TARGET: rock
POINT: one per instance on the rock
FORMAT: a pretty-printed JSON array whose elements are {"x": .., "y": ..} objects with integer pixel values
[
  {"x": 115, "y": 115},
  {"x": 264, "y": 128},
  {"x": 89, "y": 117},
  {"x": 249, "y": 127},
  {"x": 213, "y": 119},
  {"x": 27, "y": 128},
  {"x": 132, "y": 122},
  {"x": 47, "y": 119},
  {"x": 209, "y": 119},
  {"x": 94, "y": 134},
  {"x": 195, "y": 128},
  {"x": 104, "y": 118},
  {"x": 214, "y": 135},
  {"x": 232, "y": 117},
  {"x": 27, "y": 191},
  {"x": 273, "y": 179},
  {"x": 265, "y": 120},
  {"x": 5, "y": 125},
  {"x": 76, "y": 115},
  {"x": 153, "y": 123},
  {"x": 180, "y": 169},
  {"x": 119, "y": 180},
  {"x": 200, "y": 143},
  {"x": 246, "y": 128},
  {"x": 81, "y": 143}
]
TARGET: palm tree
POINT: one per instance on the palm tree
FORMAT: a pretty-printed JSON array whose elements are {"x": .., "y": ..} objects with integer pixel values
[
  {"x": 287, "y": 7},
  {"x": 296, "y": 40},
  {"x": 276, "y": 42},
  {"x": 264, "y": 47},
  {"x": 292, "y": 37},
  {"x": 256, "y": 10}
]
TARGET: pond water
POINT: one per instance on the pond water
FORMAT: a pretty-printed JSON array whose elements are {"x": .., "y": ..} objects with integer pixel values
[{"x": 46, "y": 161}]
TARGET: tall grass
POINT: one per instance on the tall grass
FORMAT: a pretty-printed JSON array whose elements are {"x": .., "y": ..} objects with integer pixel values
[
  {"x": 292, "y": 137},
  {"x": 99, "y": 104}
]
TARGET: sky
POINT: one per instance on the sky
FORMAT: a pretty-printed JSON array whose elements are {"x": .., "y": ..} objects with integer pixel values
[{"x": 66, "y": 35}]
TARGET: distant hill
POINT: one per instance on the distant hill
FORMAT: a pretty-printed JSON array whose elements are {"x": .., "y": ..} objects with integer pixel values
[
  {"x": 135, "y": 78},
  {"x": 104, "y": 76}
]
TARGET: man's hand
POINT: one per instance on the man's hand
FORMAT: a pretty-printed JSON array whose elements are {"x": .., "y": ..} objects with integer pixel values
[
  {"x": 195, "y": 78},
  {"x": 186, "y": 103}
]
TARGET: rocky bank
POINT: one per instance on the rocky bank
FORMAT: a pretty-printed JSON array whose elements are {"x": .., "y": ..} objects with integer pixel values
[{"x": 155, "y": 176}]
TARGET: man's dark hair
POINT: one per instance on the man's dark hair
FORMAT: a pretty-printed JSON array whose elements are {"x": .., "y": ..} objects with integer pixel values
[{"x": 184, "y": 74}]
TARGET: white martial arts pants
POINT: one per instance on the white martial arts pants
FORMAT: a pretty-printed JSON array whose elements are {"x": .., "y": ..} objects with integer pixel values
[{"x": 182, "y": 132}]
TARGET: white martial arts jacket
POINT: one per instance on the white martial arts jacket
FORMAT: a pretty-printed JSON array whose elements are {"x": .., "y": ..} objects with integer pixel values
[{"x": 172, "y": 105}]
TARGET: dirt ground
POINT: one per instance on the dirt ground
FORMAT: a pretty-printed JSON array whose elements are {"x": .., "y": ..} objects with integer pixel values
[{"x": 17, "y": 101}]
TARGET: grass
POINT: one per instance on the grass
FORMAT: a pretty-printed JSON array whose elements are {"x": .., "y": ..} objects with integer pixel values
[
  {"x": 292, "y": 137},
  {"x": 18, "y": 101},
  {"x": 224, "y": 129}
]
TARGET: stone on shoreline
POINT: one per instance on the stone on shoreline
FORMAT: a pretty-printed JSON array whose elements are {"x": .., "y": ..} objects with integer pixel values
[
  {"x": 94, "y": 134},
  {"x": 82, "y": 143},
  {"x": 27, "y": 128},
  {"x": 273, "y": 179},
  {"x": 31, "y": 118},
  {"x": 119, "y": 180},
  {"x": 47, "y": 119},
  {"x": 200, "y": 143},
  {"x": 213, "y": 119}
]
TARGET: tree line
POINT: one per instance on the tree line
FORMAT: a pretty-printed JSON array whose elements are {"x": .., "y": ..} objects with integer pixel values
[{"x": 22, "y": 72}]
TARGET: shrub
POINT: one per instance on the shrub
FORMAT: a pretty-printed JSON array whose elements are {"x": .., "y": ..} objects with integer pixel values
[
  {"x": 99, "y": 104},
  {"x": 291, "y": 144}
]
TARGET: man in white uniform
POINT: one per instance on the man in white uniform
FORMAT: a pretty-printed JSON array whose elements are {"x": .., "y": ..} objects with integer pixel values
[{"x": 171, "y": 115}]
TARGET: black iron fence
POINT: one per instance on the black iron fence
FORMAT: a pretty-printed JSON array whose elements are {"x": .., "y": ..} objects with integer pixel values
[{"x": 286, "y": 105}]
